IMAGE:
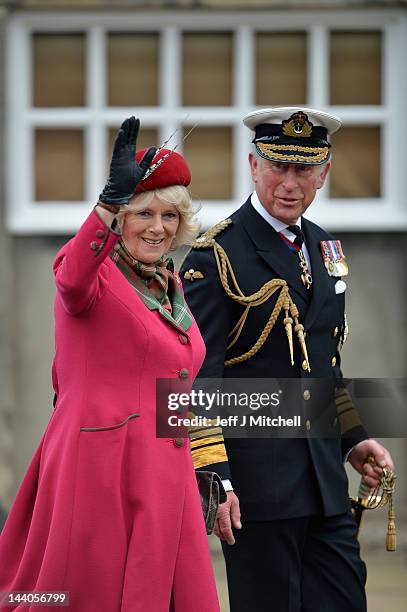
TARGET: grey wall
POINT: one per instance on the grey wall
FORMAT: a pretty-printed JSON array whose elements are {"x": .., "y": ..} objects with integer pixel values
[
  {"x": 376, "y": 298},
  {"x": 376, "y": 346},
  {"x": 7, "y": 402},
  {"x": 376, "y": 294},
  {"x": 33, "y": 310}
]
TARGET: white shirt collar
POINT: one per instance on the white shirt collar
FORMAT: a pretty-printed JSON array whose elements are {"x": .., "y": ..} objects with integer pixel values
[{"x": 278, "y": 225}]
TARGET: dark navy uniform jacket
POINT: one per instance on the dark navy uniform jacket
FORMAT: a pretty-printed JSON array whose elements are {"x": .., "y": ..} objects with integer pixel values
[{"x": 276, "y": 478}]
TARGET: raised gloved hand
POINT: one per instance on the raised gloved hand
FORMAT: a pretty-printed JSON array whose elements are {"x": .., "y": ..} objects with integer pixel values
[{"x": 125, "y": 173}]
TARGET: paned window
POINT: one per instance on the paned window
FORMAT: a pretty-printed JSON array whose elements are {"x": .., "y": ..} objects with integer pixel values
[{"x": 194, "y": 75}]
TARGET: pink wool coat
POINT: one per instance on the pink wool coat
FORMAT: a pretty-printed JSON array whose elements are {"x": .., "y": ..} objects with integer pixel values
[{"x": 106, "y": 510}]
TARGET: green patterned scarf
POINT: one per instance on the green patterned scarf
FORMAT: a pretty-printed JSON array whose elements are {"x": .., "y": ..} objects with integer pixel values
[{"x": 152, "y": 283}]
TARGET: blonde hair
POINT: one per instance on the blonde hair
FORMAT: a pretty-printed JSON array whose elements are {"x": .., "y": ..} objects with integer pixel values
[{"x": 179, "y": 196}]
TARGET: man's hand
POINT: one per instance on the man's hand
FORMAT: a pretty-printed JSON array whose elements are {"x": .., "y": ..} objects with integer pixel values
[
  {"x": 358, "y": 460},
  {"x": 228, "y": 516}
]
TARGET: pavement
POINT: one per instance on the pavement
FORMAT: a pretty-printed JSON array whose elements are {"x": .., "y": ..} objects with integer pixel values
[{"x": 386, "y": 582}]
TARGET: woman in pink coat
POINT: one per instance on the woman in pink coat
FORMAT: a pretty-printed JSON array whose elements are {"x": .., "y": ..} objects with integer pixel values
[{"x": 107, "y": 511}]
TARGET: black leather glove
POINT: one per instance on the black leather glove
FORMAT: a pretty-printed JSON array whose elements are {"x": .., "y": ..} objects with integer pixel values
[{"x": 125, "y": 173}]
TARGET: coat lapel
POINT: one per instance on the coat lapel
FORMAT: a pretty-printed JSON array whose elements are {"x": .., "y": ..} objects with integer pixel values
[
  {"x": 272, "y": 249},
  {"x": 320, "y": 277}
]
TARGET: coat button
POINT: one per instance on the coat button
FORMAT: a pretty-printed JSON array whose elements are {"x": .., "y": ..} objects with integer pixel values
[
  {"x": 306, "y": 395},
  {"x": 308, "y": 424},
  {"x": 183, "y": 373},
  {"x": 333, "y": 362},
  {"x": 93, "y": 246},
  {"x": 100, "y": 233},
  {"x": 178, "y": 442},
  {"x": 335, "y": 332},
  {"x": 183, "y": 339},
  {"x": 304, "y": 365}
]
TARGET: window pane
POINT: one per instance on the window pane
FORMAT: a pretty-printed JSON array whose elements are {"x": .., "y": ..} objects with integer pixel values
[
  {"x": 356, "y": 163},
  {"x": 208, "y": 151},
  {"x": 281, "y": 68},
  {"x": 147, "y": 137},
  {"x": 356, "y": 67},
  {"x": 207, "y": 69},
  {"x": 58, "y": 69},
  {"x": 59, "y": 165},
  {"x": 132, "y": 69}
]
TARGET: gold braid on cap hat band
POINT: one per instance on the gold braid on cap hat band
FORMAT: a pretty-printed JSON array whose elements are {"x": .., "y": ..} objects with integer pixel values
[
  {"x": 318, "y": 154},
  {"x": 284, "y": 302}
]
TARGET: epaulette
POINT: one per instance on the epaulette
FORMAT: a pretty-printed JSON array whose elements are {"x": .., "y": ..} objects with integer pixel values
[{"x": 208, "y": 238}]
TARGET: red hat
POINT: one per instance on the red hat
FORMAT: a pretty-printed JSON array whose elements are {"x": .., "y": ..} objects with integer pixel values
[{"x": 172, "y": 171}]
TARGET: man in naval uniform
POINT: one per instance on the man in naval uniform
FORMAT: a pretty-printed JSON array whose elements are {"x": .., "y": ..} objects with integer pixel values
[{"x": 287, "y": 532}]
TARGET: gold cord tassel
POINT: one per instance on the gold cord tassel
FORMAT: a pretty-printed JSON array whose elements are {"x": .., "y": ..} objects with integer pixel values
[
  {"x": 391, "y": 537},
  {"x": 378, "y": 498},
  {"x": 388, "y": 479},
  {"x": 301, "y": 338},
  {"x": 288, "y": 324}
]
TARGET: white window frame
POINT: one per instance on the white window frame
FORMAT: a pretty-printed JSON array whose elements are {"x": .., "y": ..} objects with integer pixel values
[{"x": 25, "y": 216}]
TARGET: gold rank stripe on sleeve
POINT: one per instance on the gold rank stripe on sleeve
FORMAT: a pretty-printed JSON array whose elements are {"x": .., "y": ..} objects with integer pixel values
[
  {"x": 347, "y": 413},
  {"x": 208, "y": 455},
  {"x": 349, "y": 421},
  {"x": 207, "y": 446},
  {"x": 196, "y": 433},
  {"x": 210, "y": 440}
]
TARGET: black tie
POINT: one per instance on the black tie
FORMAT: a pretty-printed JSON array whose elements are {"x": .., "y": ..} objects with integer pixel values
[{"x": 299, "y": 234}]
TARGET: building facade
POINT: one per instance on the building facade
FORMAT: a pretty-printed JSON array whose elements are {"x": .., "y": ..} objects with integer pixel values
[{"x": 71, "y": 71}]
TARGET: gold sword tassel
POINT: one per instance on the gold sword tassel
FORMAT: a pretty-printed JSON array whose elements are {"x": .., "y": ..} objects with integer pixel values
[
  {"x": 368, "y": 499},
  {"x": 391, "y": 537},
  {"x": 387, "y": 483}
]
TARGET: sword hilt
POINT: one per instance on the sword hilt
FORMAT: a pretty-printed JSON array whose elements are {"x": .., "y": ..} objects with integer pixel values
[{"x": 368, "y": 499}]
